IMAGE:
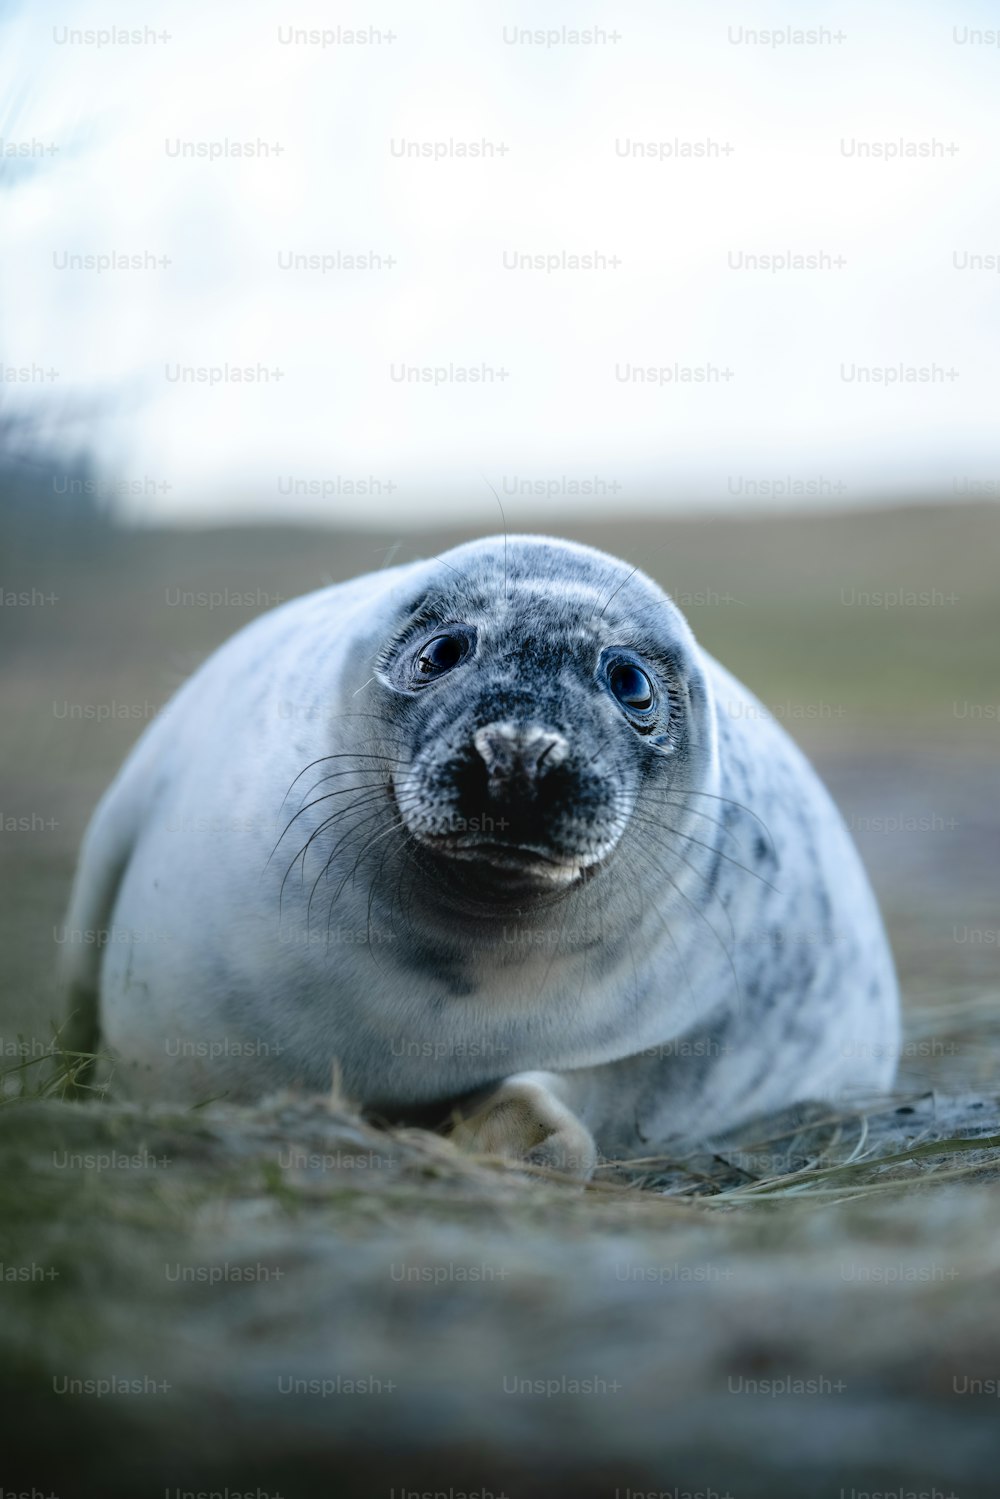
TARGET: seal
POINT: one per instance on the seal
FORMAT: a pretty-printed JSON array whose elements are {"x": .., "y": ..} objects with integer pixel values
[{"x": 490, "y": 837}]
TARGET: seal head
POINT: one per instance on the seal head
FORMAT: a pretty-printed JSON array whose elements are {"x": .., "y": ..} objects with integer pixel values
[{"x": 538, "y": 691}]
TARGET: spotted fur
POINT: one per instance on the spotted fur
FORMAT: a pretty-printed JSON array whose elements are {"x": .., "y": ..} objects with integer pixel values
[{"x": 301, "y": 867}]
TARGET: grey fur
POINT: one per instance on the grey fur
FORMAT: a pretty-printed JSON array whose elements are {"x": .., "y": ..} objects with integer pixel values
[{"x": 692, "y": 941}]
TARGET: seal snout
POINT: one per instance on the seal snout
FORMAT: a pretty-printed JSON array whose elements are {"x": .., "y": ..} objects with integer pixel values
[
  {"x": 510, "y": 787},
  {"x": 515, "y": 753},
  {"x": 514, "y": 802}
]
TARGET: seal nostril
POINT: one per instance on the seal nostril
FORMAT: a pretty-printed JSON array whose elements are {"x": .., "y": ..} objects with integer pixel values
[
  {"x": 495, "y": 748},
  {"x": 512, "y": 751},
  {"x": 553, "y": 744}
]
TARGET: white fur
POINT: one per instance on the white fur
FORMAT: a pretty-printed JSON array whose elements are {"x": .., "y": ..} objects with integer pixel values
[{"x": 203, "y": 992}]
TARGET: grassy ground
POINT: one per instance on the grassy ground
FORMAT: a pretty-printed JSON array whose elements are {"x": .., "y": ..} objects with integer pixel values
[{"x": 806, "y": 1311}]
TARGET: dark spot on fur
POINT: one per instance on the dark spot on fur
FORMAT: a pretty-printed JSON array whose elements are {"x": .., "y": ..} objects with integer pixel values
[
  {"x": 440, "y": 968},
  {"x": 763, "y": 852},
  {"x": 712, "y": 879}
]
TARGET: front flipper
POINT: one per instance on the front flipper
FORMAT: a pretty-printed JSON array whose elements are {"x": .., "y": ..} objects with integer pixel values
[{"x": 524, "y": 1120}]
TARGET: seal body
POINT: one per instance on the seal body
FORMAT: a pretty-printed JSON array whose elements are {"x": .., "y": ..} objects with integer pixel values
[{"x": 491, "y": 816}]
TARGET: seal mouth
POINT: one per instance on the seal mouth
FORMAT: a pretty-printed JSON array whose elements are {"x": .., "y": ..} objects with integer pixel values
[
  {"x": 519, "y": 859},
  {"x": 490, "y": 876}
]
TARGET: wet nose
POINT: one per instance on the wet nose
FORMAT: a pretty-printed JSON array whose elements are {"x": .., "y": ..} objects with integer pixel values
[{"x": 518, "y": 751}]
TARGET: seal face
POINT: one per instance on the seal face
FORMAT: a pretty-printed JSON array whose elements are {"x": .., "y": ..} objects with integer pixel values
[
  {"x": 533, "y": 720},
  {"x": 492, "y": 821}
]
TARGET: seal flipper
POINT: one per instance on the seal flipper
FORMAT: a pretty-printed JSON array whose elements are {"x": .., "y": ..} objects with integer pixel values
[{"x": 104, "y": 856}]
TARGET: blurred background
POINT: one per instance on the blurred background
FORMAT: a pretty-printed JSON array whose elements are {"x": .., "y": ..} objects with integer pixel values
[{"x": 288, "y": 297}]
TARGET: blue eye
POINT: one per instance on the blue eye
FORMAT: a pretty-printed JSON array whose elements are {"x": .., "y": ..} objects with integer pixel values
[
  {"x": 631, "y": 687},
  {"x": 441, "y": 654}
]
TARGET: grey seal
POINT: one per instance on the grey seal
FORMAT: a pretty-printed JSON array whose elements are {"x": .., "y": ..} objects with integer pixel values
[{"x": 491, "y": 837}]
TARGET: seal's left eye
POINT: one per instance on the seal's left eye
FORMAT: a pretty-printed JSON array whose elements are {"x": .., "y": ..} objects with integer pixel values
[
  {"x": 441, "y": 654},
  {"x": 632, "y": 687}
]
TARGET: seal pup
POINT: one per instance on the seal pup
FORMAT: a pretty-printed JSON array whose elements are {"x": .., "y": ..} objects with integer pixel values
[{"x": 491, "y": 836}]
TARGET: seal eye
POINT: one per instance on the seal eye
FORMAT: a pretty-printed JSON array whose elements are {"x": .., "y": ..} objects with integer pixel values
[
  {"x": 441, "y": 654},
  {"x": 631, "y": 687}
]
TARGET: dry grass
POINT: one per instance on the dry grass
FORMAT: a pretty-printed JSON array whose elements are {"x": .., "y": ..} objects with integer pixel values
[
  {"x": 857, "y": 1250},
  {"x": 226, "y": 1251}
]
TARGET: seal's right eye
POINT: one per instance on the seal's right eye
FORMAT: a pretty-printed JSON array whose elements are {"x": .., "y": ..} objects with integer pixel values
[
  {"x": 632, "y": 687},
  {"x": 440, "y": 654}
]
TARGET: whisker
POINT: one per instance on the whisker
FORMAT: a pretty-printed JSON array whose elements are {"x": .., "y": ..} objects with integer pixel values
[
  {"x": 407, "y": 849},
  {"x": 327, "y": 796},
  {"x": 334, "y": 817},
  {"x": 395, "y": 826},
  {"x": 667, "y": 827},
  {"x": 366, "y": 795},
  {"x": 642, "y": 853},
  {"x": 351, "y": 832},
  {"x": 504, "y": 520},
  {"x": 372, "y": 887},
  {"x": 334, "y": 774},
  {"x": 363, "y": 801},
  {"x": 704, "y": 919},
  {"x": 713, "y": 893},
  {"x": 631, "y": 575},
  {"x": 621, "y": 585},
  {"x": 400, "y": 802},
  {"x": 696, "y": 812},
  {"x": 691, "y": 791},
  {"x": 341, "y": 755}
]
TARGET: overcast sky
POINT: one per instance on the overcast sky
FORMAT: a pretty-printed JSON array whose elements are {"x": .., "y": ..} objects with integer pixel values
[{"x": 865, "y": 137}]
